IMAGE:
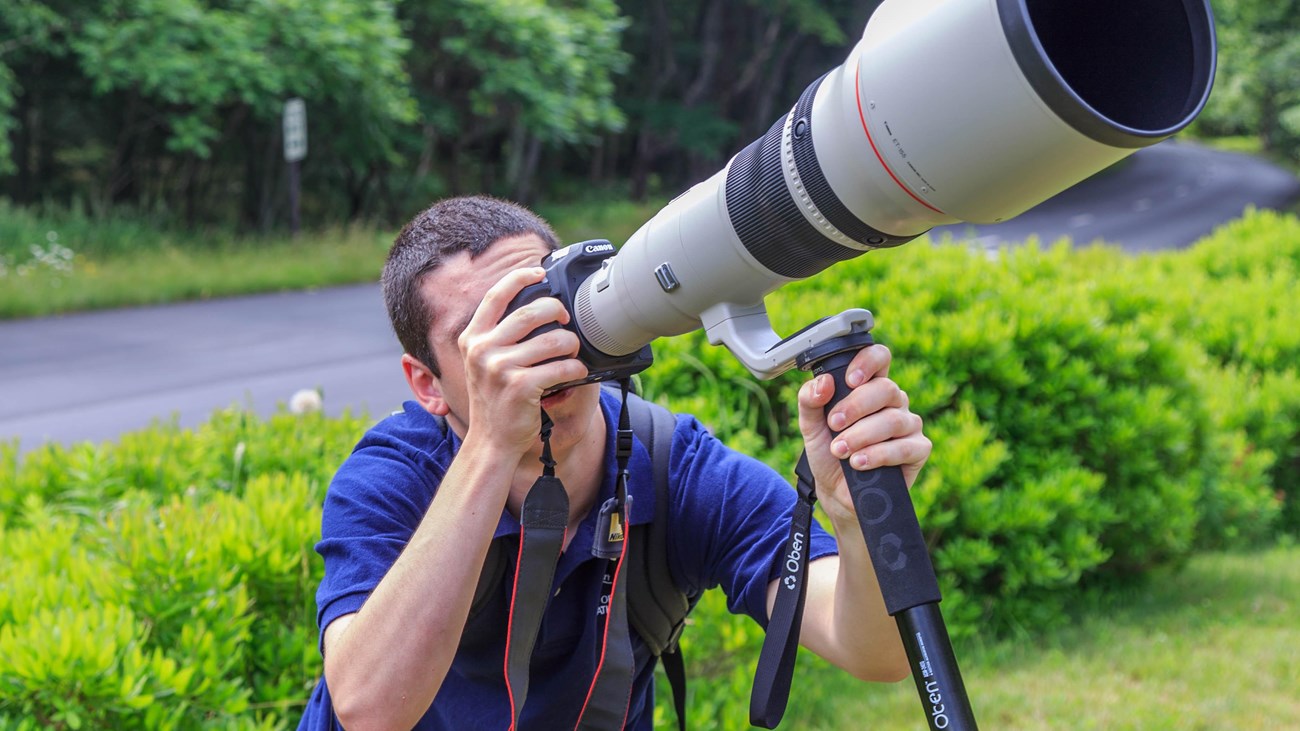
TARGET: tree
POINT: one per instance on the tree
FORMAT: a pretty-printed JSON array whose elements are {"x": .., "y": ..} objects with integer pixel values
[
  {"x": 1257, "y": 88},
  {"x": 28, "y": 31},
  {"x": 178, "y": 98},
  {"x": 711, "y": 75},
  {"x": 173, "y": 105},
  {"x": 511, "y": 76}
]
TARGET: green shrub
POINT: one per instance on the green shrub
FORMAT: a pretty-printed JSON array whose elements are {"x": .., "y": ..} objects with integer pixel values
[
  {"x": 1093, "y": 416},
  {"x": 1255, "y": 416},
  {"x": 166, "y": 582},
  {"x": 1067, "y": 444},
  {"x": 1232, "y": 294},
  {"x": 1079, "y": 433},
  {"x": 1238, "y": 299}
]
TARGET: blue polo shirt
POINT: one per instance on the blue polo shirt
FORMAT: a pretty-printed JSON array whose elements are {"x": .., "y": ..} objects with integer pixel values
[{"x": 729, "y": 518}]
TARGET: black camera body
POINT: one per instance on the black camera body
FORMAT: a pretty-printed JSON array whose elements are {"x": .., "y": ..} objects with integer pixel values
[{"x": 566, "y": 270}]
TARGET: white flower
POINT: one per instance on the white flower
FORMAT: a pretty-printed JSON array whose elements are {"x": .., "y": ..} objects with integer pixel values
[{"x": 305, "y": 401}]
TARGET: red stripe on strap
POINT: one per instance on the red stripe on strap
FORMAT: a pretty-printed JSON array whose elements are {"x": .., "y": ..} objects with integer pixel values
[
  {"x": 604, "y": 642},
  {"x": 510, "y": 625}
]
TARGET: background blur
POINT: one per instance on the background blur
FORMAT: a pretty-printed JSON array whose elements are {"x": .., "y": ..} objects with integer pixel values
[
  {"x": 1113, "y": 503},
  {"x": 171, "y": 110}
]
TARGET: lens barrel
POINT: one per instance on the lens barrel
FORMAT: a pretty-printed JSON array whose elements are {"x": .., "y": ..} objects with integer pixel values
[
  {"x": 766, "y": 212},
  {"x": 1124, "y": 73},
  {"x": 945, "y": 111}
]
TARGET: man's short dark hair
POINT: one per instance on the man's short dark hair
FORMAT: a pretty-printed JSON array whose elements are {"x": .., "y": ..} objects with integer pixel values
[{"x": 448, "y": 227}]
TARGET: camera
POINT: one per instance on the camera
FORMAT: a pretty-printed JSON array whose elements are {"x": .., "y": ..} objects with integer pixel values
[{"x": 566, "y": 270}]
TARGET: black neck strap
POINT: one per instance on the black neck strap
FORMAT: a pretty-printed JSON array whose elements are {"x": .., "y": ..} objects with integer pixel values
[
  {"x": 775, "y": 670},
  {"x": 543, "y": 523}
]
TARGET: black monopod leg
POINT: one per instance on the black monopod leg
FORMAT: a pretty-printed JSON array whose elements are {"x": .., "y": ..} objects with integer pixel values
[{"x": 900, "y": 558}]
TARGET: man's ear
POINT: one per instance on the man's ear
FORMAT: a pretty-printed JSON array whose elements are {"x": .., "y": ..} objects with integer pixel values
[{"x": 426, "y": 387}]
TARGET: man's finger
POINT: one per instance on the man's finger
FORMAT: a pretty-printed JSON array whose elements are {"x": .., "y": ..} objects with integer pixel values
[
  {"x": 870, "y": 362},
  {"x": 493, "y": 307}
]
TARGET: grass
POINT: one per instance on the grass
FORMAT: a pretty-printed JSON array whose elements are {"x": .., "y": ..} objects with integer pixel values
[
  {"x": 1212, "y": 647},
  {"x": 63, "y": 261},
  {"x": 172, "y": 273}
]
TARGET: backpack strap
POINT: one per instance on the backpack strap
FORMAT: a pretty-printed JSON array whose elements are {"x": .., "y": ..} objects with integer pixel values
[
  {"x": 494, "y": 573},
  {"x": 660, "y": 615},
  {"x": 658, "y": 608}
]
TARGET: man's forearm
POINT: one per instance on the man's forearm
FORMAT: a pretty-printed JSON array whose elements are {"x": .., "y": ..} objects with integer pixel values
[
  {"x": 861, "y": 627},
  {"x": 844, "y": 620},
  {"x": 385, "y": 665}
]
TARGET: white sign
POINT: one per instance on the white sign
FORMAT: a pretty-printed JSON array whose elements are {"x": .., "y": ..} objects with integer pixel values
[{"x": 295, "y": 130}]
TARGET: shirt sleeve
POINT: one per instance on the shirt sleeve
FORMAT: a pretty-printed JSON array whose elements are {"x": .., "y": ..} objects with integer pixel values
[
  {"x": 731, "y": 518},
  {"x": 374, "y": 504}
]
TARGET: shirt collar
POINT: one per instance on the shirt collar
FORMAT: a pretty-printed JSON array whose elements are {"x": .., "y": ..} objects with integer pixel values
[{"x": 640, "y": 486}]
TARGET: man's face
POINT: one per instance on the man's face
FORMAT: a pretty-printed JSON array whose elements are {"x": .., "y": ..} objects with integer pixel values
[{"x": 454, "y": 291}]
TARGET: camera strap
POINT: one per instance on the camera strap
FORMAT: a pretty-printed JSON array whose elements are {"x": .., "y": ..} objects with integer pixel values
[
  {"x": 543, "y": 525},
  {"x": 544, "y": 520},
  {"x": 611, "y": 689},
  {"x": 775, "y": 669}
]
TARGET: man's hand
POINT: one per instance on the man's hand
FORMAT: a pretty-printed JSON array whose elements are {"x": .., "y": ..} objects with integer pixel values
[
  {"x": 845, "y": 619},
  {"x": 872, "y": 427},
  {"x": 506, "y": 372}
]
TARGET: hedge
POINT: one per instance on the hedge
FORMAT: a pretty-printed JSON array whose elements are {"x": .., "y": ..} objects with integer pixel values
[
  {"x": 1080, "y": 434},
  {"x": 1089, "y": 424},
  {"x": 1095, "y": 417},
  {"x": 166, "y": 581}
]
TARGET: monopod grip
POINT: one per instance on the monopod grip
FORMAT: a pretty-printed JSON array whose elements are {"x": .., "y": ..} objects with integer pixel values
[
  {"x": 888, "y": 518},
  {"x": 901, "y": 561}
]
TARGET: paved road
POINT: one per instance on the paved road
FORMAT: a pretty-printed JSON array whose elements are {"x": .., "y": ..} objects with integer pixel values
[
  {"x": 1165, "y": 196},
  {"x": 94, "y": 376}
]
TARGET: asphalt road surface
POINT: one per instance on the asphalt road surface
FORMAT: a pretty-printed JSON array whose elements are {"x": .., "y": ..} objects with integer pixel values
[
  {"x": 97, "y": 375},
  {"x": 94, "y": 376},
  {"x": 1163, "y": 197}
]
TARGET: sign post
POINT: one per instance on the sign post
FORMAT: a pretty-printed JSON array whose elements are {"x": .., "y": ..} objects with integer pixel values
[{"x": 295, "y": 149}]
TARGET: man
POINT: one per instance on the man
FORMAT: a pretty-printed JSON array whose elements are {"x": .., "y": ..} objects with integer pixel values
[{"x": 409, "y": 517}]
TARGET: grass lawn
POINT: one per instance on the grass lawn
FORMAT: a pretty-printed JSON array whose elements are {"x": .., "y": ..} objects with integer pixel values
[
  {"x": 65, "y": 262},
  {"x": 171, "y": 272},
  {"x": 1215, "y": 647}
]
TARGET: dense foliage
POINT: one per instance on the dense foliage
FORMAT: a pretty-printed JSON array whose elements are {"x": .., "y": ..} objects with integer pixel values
[
  {"x": 1257, "y": 91},
  {"x": 1095, "y": 417},
  {"x": 175, "y": 106},
  {"x": 166, "y": 581},
  {"x": 1085, "y": 429}
]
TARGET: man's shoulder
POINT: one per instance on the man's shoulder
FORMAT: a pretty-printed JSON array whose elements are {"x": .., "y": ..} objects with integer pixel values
[
  {"x": 409, "y": 428},
  {"x": 685, "y": 425},
  {"x": 698, "y": 458},
  {"x": 409, "y": 440}
]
